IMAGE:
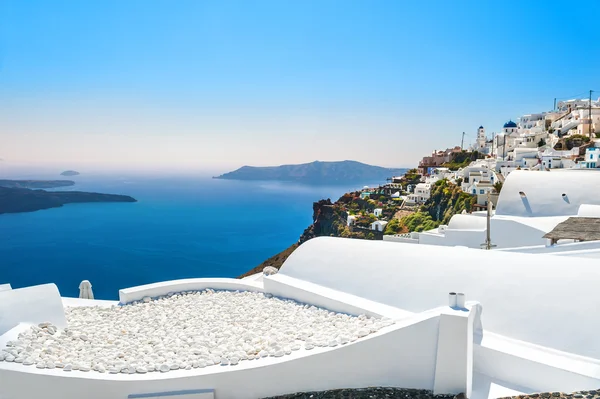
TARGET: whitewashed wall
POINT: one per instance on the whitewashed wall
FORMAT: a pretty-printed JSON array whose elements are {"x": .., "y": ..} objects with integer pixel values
[
  {"x": 403, "y": 355},
  {"x": 543, "y": 192},
  {"x": 536, "y": 298}
]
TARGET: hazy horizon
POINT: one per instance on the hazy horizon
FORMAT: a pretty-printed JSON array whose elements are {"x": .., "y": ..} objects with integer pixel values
[{"x": 215, "y": 85}]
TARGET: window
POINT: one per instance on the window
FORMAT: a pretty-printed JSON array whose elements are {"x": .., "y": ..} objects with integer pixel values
[
  {"x": 591, "y": 156},
  {"x": 474, "y": 191},
  {"x": 481, "y": 191}
]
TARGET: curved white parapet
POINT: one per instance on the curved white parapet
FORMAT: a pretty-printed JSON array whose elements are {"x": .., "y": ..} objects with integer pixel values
[
  {"x": 155, "y": 290},
  {"x": 402, "y": 355},
  {"x": 36, "y": 304}
]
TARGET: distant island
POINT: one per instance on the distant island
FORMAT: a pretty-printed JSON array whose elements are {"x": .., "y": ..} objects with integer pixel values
[
  {"x": 15, "y": 200},
  {"x": 69, "y": 173},
  {"x": 315, "y": 172},
  {"x": 36, "y": 183}
]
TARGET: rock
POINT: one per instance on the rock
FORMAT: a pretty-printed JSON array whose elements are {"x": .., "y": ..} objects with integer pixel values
[
  {"x": 68, "y": 367},
  {"x": 164, "y": 368},
  {"x": 270, "y": 270}
]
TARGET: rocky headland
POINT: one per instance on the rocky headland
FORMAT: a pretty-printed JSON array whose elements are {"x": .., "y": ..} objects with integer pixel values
[
  {"x": 35, "y": 183},
  {"x": 15, "y": 200},
  {"x": 315, "y": 172}
]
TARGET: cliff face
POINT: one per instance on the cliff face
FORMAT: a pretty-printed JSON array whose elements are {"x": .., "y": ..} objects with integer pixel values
[{"x": 327, "y": 221}]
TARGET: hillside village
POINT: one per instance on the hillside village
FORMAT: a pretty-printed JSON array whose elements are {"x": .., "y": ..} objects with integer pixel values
[{"x": 459, "y": 180}]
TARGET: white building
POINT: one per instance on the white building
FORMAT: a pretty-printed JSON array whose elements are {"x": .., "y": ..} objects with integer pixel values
[
  {"x": 592, "y": 158},
  {"x": 530, "y": 205},
  {"x": 350, "y": 220},
  {"x": 422, "y": 192},
  {"x": 576, "y": 116},
  {"x": 379, "y": 225},
  {"x": 480, "y": 142},
  {"x": 377, "y": 212}
]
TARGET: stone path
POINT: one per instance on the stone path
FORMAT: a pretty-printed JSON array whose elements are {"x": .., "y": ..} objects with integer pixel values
[
  {"x": 366, "y": 393},
  {"x": 401, "y": 393},
  {"x": 593, "y": 394}
]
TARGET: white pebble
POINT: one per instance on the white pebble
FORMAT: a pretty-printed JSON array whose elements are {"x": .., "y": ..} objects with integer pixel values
[
  {"x": 181, "y": 331},
  {"x": 164, "y": 368}
]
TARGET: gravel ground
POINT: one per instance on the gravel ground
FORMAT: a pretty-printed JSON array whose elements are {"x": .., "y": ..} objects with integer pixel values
[
  {"x": 401, "y": 393},
  {"x": 553, "y": 395},
  {"x": 367, "y": 393}
]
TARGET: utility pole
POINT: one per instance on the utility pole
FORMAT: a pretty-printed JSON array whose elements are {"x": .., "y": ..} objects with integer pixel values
[
  {"x": 463, "y": 140},
  {"x": 488, "y": 239}
]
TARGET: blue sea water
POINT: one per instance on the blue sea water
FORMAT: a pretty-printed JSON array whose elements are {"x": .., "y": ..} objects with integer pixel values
[{"x": 180, "y": 227}]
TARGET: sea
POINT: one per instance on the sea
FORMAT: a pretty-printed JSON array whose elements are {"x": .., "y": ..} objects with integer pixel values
[{"x": 181, "y": 227}]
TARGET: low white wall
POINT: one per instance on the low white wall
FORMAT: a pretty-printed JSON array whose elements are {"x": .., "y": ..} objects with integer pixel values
[
  {"x": 5, "y": 287},
  {"x": 400, "y": 239},
  {"x": 454, "y": 362},
  {"x": 337, "y": 301},
  {"x": 36, "y": 304},
  {"x": 538, "y": 368},
  {"x": 402, "y": 355},
  {"x": 154, "y": 290},
  {"x": 557, "y": 249}
]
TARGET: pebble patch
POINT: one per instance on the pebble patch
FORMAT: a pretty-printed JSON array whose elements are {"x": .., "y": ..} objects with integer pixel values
[{"x": 185, "y": 331}]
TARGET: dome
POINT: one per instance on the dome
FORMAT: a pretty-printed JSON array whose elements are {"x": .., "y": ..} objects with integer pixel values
[
  {"x": 510, "y": 124},
  {"x": 481, "y": 127}
]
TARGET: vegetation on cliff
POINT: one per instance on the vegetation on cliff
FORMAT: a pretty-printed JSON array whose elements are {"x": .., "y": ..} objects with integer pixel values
[
  {"x": 446, "y": 200},
  {"x": 463, "y": 159}
]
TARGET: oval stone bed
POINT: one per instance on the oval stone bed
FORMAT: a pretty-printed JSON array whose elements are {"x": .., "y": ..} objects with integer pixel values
[{"x": 185, "y": 331}]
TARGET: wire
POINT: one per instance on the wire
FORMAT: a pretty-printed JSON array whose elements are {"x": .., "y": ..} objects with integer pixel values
[{"x": 584, "y": 94}]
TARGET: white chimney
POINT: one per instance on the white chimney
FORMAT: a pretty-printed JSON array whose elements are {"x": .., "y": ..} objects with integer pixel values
[{"x": 452, "y": 299}]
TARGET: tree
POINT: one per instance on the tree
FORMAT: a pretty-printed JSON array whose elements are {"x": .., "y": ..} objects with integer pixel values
[
  {"x": 498, "y": 186},
  {"x": 541, "y": 143}
]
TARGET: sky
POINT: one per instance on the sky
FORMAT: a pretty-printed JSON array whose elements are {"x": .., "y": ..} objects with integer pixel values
[{"x": 217, "y": 84}]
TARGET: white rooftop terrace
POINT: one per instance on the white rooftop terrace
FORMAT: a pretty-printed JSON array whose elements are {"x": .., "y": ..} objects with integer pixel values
[{"x": 534, "y": 329}]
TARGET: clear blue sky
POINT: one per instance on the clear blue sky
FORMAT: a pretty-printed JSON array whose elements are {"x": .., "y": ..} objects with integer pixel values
[{"x": 219, "y": 84}]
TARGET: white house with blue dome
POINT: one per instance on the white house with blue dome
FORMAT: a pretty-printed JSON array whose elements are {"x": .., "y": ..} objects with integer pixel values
[{"x": 510, "y": 127}]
